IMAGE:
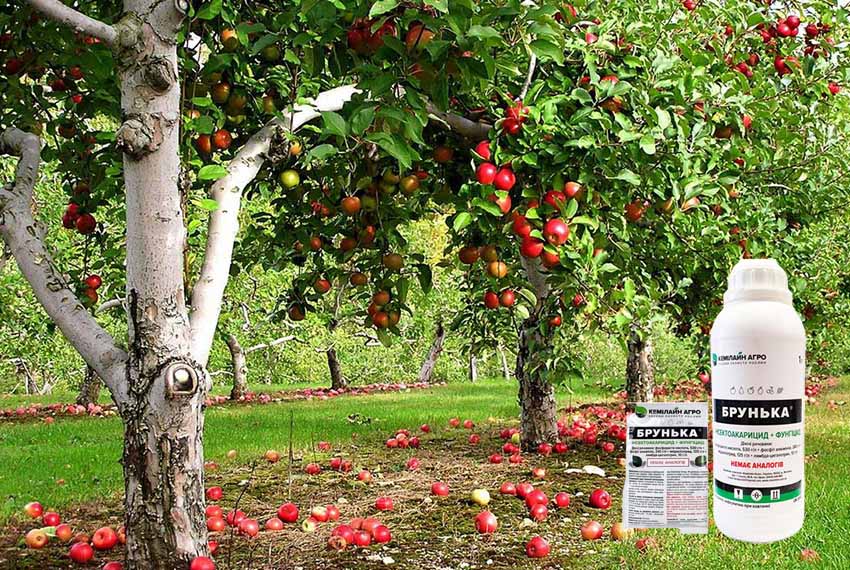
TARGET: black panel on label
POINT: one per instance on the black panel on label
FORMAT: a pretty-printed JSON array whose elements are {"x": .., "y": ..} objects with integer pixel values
[{"x": 758, "y": 413}]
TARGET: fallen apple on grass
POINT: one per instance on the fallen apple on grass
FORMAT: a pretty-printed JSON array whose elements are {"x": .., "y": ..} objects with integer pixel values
[
  {"x": 34, "y": 510},
  {"x": 51, "y": 519},
  {"x": 562, "y": 500},
  {"x": 620, "y": 532},
  {"x": 507, "y": 488},
  {"x": 274, "y": 524},
  {"x": 440, "y": 489},
  {"x": 592, "y": 530},
  {"x": 600, "y": 499},
  {"x": 288, "y": 512},
  {"x": 384, "y": 503},
  {"x": 202, "y": 563},
  {"x": 480, "y": 497},
  {"x": 36, "y": 539},
  {"x": 64, "y": 533},
  {"x": 81, "y": 553},
  {"x": 486, "y": 522},
  {"x": 537, "y": 547},
  {"x": 104, "y": 538},
  {"x": 215, "y": 493}
]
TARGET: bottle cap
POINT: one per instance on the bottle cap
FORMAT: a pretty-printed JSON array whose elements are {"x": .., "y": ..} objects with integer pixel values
[{"x": 758, "y": 280}]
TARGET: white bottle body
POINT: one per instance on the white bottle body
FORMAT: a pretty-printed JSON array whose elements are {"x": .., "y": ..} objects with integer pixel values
[{"x": 758, "y": 347}]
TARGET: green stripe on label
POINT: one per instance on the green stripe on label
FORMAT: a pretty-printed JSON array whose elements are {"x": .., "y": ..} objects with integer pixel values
[{"x": 764, "y": 499}]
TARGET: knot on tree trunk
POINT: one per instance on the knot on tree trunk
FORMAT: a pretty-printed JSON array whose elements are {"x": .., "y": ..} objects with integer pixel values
[
  {"x": 142, "y": 134},
  {"x": 159, "y": 73},
  {"x": 129, "y": 43}
]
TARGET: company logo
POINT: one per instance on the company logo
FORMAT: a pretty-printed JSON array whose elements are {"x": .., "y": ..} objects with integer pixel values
[
  {"x": 640, "y": 411},
  {"x": 739, "y": 357}
]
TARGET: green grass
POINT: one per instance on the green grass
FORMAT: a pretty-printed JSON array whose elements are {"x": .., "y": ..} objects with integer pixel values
[
  {"x": 84, "y": 452},
  {"x": 827, "y": 522}
]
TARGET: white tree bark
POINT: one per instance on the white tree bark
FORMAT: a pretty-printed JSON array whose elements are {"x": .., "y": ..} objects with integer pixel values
[
  {"x": 224, "y": 221},
  {"x": 18, "y": 229},
  {"x": 58, "y": 11}
]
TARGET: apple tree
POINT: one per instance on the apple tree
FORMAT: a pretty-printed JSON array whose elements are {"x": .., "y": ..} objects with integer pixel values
[
  {"x": 634, "y": 140},
  {"x": 169, "y": 110}
]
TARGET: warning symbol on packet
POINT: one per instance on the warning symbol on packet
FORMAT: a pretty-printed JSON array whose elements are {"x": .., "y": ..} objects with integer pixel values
[
  {"x": 667, "y": 476},
  {"x": 739, "y": 493}
]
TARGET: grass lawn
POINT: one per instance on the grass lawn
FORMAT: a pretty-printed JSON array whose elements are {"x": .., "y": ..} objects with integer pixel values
[
  {"x": 427, "y": 533},
  {"x": 84, "y": 452}
]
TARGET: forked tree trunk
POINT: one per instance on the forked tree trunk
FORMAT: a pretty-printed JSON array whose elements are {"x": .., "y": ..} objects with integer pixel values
[
  {"x": 239, "y": 363},
  {"x": 426, "y": 372},
  {"x": 538, "y": 407},
  {"x": 473, "y": 368},
  {"x": 640, "y": 372},
  {"x": 163, "y": 448},
  {"x": 90, "y": 389},
  {"x": 338, "y": 380}
]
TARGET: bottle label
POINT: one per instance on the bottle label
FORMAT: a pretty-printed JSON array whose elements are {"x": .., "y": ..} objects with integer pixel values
[{"x": 758, "y": 422}]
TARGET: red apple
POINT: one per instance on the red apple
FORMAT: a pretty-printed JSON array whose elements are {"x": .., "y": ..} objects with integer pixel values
[
  {"x": 556, "y": 231},
  {"x": 562, "y": 500},
  {"x": 482, "y": 149},
  {"x": 34, "y": 510},
  {"x": 537, "y": 547},
  {"x": 234, "y": 517},
  {"x": 320, "y": 514},
  {"x": 104, "y": 538},
  {"x": 274, "y": 524},
  {"x": 362, "y": 538},
  {"x": 495, "y": 459},
  {"x": 524, "y": 489},
  {"x": 536, "y": 497},
  {"x": 507, "y": 488},
  {"x": 381, "y": 534},
  {"x": 600, "y": 499},
  {"x": 64, "y": 533},
  {"x": 113, "y": 566},
  {"x": 249, "y": 527},
  {"x": 202, "y": 563},
  {"x": 216, "y": 524},
  {"x": 364, "y": 476},
  {"x": 486, "y": 173},
  {"x": 592, "y": 530},
  {"x": 51, "y": 519},
  {"x": 81, "y": 553},
  {"x": 333, "y": 512},
  {"x": 539, "y": 512},
  {"x": 440, "y": 489},
  {"x": 313, "y": 469},
  {"x": 486, "y": 522},
  {"x": 504, "y": 179},
  {"x": 384, "y": 503},
  {"x": 215, "y": 493},
  {"x": 288, "y": 512}
]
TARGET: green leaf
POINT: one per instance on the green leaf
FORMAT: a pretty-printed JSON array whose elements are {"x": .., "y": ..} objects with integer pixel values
[
  {"x": 545, "y": 49},
  {"x": 334, "y": 124},
  {"x": 628, "y": 176},
  {"x": 647, "y": 144},
  {"x": 663, "y": 117},
  {"x": 207, "y": 204},
  {"x": 488, "y": 206},
  {"x": 484, "y": 32},
  {"x": 382, "y": 7},
  {"x": 385, "y": 338},
  {"x": 362, "y": 120},
  {"x": 396, "y": 147},
  {"x": 321, "y": 152},
  {"x": 212, "y": 172},
  {"x": 210, "y": 11},
  {"x": 426, "y": 277},
  {"x": 522, "y": 311},
  {"x": 461, "y": 221}
]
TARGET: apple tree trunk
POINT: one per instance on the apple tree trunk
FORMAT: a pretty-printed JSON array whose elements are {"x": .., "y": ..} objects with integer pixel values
[
  {"x": 90, "y": 388},
  {"x": 239, "y": 363},
  {"x": 640, "y": 372},
  {"x": 538, "y": 408},
  {"x": 163, "y": 416},
  {"x": 338, "y": 380},
  {"x": 426, "y": 372},
  {"x": 473, "y": 368}
]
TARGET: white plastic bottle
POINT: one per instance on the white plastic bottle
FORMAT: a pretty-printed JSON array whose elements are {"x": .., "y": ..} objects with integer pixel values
[{"x": 758, "y": 350}]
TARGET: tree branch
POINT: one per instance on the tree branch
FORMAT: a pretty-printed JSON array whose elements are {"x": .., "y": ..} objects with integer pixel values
[
  {"x": 18, "y": 230},
  {"x": 208, "y": 292},
  {"x": 532, "y": 66},
  {"x": 224, "y": 221},
  {"x": 56, "y": 10},
  {"x": 461, "y": 125}
]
